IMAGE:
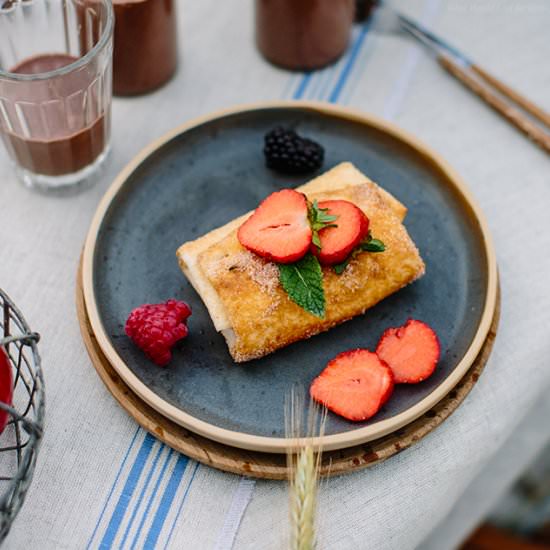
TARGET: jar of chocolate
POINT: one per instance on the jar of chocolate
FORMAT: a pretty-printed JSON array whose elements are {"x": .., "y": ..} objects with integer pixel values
[
  {"x": 145, "y": 45},
  {"x": 303, "y": 34}
]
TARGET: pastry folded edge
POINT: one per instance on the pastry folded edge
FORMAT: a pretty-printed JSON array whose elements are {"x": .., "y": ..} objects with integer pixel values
[{"x": 188, "y": 254}]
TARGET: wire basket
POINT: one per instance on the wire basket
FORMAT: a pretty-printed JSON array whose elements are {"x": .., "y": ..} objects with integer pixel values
[{"x": 20, "y": 440}]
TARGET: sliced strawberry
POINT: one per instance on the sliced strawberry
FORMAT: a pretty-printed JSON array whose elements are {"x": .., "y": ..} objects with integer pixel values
[
  {"x": 355, "y": 384},
  {"x": 337, "y": 243},
  {"x": 279, "y": 228},
  {"x": 411, "y": 351}
]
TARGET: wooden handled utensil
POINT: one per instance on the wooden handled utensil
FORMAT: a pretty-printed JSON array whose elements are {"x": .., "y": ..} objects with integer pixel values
[{"x": 509, "y": 103}]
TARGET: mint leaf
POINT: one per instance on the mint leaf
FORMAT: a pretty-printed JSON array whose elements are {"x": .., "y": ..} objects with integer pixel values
[
  {"x": 368, "y": 245},
  {"x": 303, "y": 282},
  {"x": 373, "y": 245},
  {"x": 340, "y": 268},
  {"x": 319, "y": 219}
]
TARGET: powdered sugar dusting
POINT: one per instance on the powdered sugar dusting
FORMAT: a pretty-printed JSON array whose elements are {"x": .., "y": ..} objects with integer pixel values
[
  {"x": 368, "y": 193},
  {"x": 262, "y": 272},
  {"x": 274, "y": 304},
  {"x": 349, "y": 278}
]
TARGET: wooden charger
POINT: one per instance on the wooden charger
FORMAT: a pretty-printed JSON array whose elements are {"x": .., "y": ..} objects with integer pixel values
[{"x": 268, "y": 465}]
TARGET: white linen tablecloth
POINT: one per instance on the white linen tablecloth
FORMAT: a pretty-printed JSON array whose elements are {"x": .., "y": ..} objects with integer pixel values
[{"x": 101, "y": 482}]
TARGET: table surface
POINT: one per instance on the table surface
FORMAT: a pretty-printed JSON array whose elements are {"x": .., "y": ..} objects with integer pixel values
[{"x": 102, "y": 482}]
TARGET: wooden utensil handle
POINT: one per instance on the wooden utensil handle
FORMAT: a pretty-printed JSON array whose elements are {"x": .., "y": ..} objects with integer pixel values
[
  {"x": 513, "y": 115},
  {"x": 515, "y": 96}
]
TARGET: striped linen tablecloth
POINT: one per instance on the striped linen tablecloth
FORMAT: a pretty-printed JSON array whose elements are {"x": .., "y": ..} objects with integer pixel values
[{"x": 101, "y": 482}]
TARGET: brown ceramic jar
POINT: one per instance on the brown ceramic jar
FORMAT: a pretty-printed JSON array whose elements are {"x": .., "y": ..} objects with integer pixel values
[
  {"x": 145, "y": 45},
  {"x": 303, "y": 34}
]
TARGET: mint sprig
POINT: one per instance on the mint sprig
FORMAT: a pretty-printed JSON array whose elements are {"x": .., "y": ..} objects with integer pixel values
[
  {"x": 370, "y": 244},
  {"x": 303, "y": 282},
  {"x": 340, "y": 268},
  {"x": 319, "y": 219}
]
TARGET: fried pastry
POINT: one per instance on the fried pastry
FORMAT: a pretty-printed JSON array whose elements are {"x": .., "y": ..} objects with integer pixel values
[{"x": 242, "y": 290}]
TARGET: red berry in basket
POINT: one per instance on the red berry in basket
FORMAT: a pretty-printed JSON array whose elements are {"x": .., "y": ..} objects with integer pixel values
[
  {"x": 279, "y": 228},
  {"x": 155, "y": 328},
  {"x": 337, "y": 243},
  {"x": 411, "y": 351},
  {"x": 355, "y": 384},
  {"x": 6, "y": 387}
]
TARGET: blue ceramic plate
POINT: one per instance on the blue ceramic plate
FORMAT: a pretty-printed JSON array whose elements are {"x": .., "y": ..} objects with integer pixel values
[{"x": 207, "y": 173}]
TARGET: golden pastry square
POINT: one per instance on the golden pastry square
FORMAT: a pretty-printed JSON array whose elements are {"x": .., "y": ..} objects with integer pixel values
[{"x": 242, "y": 291}]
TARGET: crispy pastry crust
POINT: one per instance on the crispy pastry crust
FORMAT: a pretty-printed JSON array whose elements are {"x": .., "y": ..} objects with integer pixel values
[{"x": 242, "y": 291}]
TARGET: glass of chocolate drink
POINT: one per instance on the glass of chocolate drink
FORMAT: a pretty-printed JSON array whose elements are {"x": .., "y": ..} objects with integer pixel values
[{"x": 55, "y": 89}]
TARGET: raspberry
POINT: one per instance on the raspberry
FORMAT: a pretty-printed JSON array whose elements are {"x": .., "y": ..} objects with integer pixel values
[
  {"x": 290, "y": 153},
  {"x": 155, "y": 328}
]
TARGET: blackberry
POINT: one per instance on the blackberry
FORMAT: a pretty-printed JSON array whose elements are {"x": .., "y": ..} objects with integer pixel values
[{"x": 287, "y": 152}]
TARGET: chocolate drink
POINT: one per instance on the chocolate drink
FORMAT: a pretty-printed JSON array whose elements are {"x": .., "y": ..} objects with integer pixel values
[
  {"x": 145, "y": 45},
  {"x": 57, "y": 130},
  {"x": 303, "y": 34}
]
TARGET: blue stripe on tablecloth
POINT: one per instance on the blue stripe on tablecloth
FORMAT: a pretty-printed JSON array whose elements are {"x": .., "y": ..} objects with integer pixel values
[
  {"x": 166, "y": 502},
  {"x": 348, "y": 67},
  {"x": 362, "y": 60},
  {"x": 152, "y": 497},
  {"x": 184, "y": 498},
  {"x": 142, "y": 494},
  {"x": 317, "y": 82},
  {"x": 289, "y": 86},
  {"x": 299, "y": 93},
  {"x": 399, "y": 90},
  {"x": 115, "y": 482},
  {"x": 127, "y": 492},
  {"x": 327, "y": 77}
]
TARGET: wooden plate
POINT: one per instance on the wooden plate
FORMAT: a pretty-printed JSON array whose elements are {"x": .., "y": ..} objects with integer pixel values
[
  {"x": 212, "y": 170},
  {"x": 270, "y": 465}
]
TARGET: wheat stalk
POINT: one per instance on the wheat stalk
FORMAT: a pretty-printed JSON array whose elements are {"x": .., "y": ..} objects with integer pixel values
[{"x": 304, "y": 469}]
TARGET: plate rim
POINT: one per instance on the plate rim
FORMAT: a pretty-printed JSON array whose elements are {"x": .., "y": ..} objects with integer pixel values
[
  {"x": 279, "y": 444},
  {"x": 269, "y": 465}
]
